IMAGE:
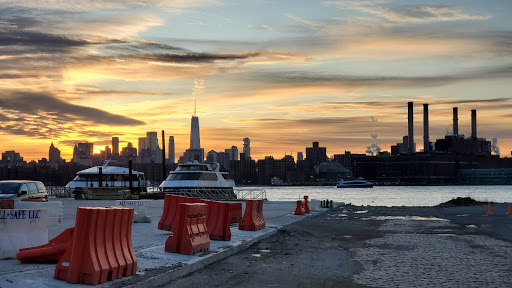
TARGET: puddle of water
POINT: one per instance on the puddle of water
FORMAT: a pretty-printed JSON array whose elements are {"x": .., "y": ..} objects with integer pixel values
[
  {"x": 415, "y": 218},
  {"x": 463, "y": 215},
  {"x": 348, "y": 236},
  {"x": 471, "y": 226},
  {"x": 256, "y": 255},
  {"x": 362, "y": 211},
  {"x": 265, "y": 251},
  {"x": 447, "y": 235},
  {"x": 342, "y": 215}
]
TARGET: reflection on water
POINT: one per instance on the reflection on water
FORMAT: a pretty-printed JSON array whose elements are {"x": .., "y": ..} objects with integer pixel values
[
  {"x": 415, "y": 218},
  {"x": 392, "y": 195}
]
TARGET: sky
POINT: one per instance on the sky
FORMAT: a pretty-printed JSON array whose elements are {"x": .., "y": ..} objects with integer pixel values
[{"x": 283, "y": 73}]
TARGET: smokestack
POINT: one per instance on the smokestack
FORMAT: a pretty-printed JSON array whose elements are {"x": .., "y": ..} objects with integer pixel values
[
  {"x": 426, "y": 141},
  {"x": 473, "y": 123},
  {"x": 411, "y": 128},
  {"x": 455, "y": 121}
]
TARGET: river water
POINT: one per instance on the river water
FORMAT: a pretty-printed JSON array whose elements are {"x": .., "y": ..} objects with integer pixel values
[{"x": 391, "y": 195}]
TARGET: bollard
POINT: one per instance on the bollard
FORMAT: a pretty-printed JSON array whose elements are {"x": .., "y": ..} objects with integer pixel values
[
  {"x": 331, "y": 204},
  {"x": 489, "y": 208}
]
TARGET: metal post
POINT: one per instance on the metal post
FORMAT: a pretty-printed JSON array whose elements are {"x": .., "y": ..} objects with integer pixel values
[
  {"x": 100, "y": 174},
  {"x": 130, "y": 175},
  {"x": 164, "y": 170}
]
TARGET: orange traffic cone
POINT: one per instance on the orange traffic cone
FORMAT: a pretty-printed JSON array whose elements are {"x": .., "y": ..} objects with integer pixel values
[
  {"x": 489, "y": 208},
  {"x": 509, "y": 210}
]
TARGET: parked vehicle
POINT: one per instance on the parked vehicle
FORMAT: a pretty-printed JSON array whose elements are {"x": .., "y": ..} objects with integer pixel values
[{"x": 23, "y": 189}]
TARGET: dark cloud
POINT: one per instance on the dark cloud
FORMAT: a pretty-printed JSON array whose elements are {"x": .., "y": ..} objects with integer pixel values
[
  {"x": 308, "y": 79},
  {"x": 35, "y": 103},
  {"x": 194, "y": 57}
]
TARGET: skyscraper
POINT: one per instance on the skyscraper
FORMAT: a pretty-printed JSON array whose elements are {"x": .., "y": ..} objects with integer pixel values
[
  {"x": 247, "y": 148},
  {"x": 53, "y": 154},
  {"x": 234, "y": 153},
  {"x": 152, "y": 140},
  {"x": 195, "y": 142},
  {"x": 142, "y": 144},
  {"x": 195, "y": 152},
  {"x": 115, "y": 146},
  {"x": 300, "y": 156},
  {"x": 171, "y": 150}
]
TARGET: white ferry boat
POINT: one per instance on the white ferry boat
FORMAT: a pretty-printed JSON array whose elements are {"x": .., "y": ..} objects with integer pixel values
[
  {"x": 197, "y": 176},
  {"x": 111, "y": 176},
  {"x": 358, "y": 183}
]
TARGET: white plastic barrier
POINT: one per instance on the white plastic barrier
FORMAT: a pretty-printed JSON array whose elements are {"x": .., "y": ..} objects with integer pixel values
[
  {"x": 314, "y": 205},
  {"x": 55, "y": 209},
  {"x": 22, "y": 228},
  {"x": 140, "y": 214}
]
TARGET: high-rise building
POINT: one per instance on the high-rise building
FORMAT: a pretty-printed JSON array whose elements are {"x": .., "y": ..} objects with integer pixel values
[
  {"x": 142, "y": 144},
  {"x": 247, "y": 148},
  {"x": 234, "y": 153},
  {"x": 53, "y": 154},
  {"x": 195, "y": 141},
  {"x": 195, "y": 152},
  {"x": 300, "y": 156},
  {"x": 152, "y": 140},
  {"x": 171, "y": 150},
  {"x": 115, "y": 146},
  {"x": 316, "y": 154}
]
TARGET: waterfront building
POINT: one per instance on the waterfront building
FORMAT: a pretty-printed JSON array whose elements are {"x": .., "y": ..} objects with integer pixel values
[
  {"x": 316, "y": 154},
  {"x": 300, "y": 156}
]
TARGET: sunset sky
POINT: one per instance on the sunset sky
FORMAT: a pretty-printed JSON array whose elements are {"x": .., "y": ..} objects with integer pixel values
[{"x": 283, "y": 73}]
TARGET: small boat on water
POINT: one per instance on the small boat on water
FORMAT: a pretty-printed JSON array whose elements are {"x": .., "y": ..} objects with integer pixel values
[
  {"x": 111, "y": 176},
  {"x": 358, "y": 183}
]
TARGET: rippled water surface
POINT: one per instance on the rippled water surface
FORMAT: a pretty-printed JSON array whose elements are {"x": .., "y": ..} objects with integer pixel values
[{"x": 393, "y": 195}]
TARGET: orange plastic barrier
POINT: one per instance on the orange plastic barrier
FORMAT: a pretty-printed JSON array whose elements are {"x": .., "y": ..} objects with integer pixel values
[
  {"x": 170, "y": 213},
  {"x": 306, "y": 205},
  {"x": 6, "y": 204},
  {"x": 53, "y": 251},
  {"x": 489, "y": 208},
  {"x": 101, "y": 249},
  {"x": 189, "y": 236},
  {"x": 509, "y": 209},
  {"x": 253, "y": 217},
  {"x": 236, "y": 212},
  {"x": 218, "y": 219},
  {"x": 300, "y": 208}
]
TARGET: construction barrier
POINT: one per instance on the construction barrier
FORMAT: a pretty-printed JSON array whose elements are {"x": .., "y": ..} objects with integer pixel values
[
  {"x": 101, "y": 249},
  {"x": 306, "y": 205},
  {"x": 55, "y": 209},
  {"x": 314, "y": 205},
  {"x": 52, "y": 251},
  {"x": 22, "y": 228},
  {"x": 169, "y": 217},
  {"x": 140, "y": 213},
  {"x": 6, "y": 204},
  {"x": 236, "y": 212},
  {"x": 189, "y": 235},
  {"x": 300, "y": 208},
  {"x": 218, "y": 219},
  {"x": 253, "y": 217}
]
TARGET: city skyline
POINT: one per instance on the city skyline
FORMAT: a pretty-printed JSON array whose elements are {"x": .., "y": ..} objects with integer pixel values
[{"x": 337, "y": 72}]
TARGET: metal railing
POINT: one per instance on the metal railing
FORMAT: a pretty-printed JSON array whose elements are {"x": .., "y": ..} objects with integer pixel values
[
  {"x": 252, "y": 193},
  {"x": 59, "y": 191}
]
